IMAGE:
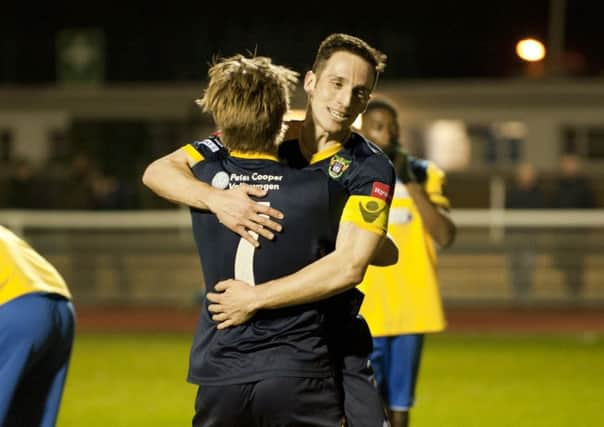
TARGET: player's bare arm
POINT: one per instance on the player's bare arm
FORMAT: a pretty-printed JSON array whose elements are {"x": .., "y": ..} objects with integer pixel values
[
  {"x": 170, "y": 177},
  {"x": 387, "y": 254},
  {"x": 337, "y": 272},
  {"x": 435, "y": 218}
]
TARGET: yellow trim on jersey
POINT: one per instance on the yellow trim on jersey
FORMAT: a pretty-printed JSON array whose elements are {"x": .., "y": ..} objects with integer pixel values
[
  {"x": 24, "y": 271},
  {"x": 193, "y": 155},
  {"x": 440, "y": 200},
  {"x": 325, "y": 153},
  {"x": 367, "y": 212},
  {"x": 253, "y": 155},
  {"x": 434, "y": 186}
]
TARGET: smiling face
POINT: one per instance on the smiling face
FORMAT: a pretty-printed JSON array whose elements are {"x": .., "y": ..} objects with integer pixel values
[{"x": 338, "y": 92}]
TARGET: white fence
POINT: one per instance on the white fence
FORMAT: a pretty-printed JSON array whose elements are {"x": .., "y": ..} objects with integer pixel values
[{"x": 499, "y": 258}]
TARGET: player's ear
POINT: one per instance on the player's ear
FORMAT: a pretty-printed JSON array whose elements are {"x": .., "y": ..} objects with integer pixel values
[
  {"x": 366, "y": 103},
  {"x": 310, "y": 80}
]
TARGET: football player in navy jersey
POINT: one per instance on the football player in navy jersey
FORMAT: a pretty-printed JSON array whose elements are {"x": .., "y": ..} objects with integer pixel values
[
  {"x": 338, "y": 87},
  {"x": 344, "y": 74},
  {"x": 242, "y": 372}
]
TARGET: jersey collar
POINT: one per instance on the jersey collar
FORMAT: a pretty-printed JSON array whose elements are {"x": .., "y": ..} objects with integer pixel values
[
  {"x": 255, "y": 156},
  {"x": 325, "y": 153}
]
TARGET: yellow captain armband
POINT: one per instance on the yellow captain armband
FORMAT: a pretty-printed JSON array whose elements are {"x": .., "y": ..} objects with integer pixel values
[
  {"x": 193, "y": 156},
  {"x": 367, "y": 212}
]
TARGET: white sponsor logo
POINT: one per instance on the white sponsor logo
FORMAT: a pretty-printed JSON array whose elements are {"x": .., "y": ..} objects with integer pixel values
[
  {"x": 380, "y": 193},
  {"x": 220, "y": 180},
  {"x": 211, "y": 145},
  {"x": 239, "y": 177},
  {"x": 265, "y": 186},
  {"x": 400, "y": 216},
  {"x": 263, "y": 181},
  {"x": 260, "y": 177}
]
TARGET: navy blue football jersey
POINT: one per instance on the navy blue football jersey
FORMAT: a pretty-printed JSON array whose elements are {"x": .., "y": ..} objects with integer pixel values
[
  {"x": 282, "y": 342},
  {"x": 365, "y": 174}
]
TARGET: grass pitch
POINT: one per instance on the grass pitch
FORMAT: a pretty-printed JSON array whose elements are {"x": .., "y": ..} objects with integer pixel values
[{"x": 465, "y": 380}]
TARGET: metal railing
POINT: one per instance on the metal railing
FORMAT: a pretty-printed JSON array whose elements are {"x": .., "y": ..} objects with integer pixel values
[{"x": 512, "y": 257}]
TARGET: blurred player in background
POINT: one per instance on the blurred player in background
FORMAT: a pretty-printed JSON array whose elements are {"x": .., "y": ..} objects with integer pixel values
[
  {"x": 36, "y": 335},
  {"x": 402, "y": 302}
]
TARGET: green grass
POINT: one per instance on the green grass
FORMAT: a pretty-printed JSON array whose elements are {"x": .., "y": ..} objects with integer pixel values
[
  {"x": 488, "y": 380},
  {"x": 128, "y": 381},
  {"x": 465, "y": 380}
]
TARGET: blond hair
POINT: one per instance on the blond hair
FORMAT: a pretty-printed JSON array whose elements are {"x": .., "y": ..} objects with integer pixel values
[{"x": 248, "y": 98}]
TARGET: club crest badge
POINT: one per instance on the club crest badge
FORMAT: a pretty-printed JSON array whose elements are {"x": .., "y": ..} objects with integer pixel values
[{"x": 338, "y": 165}]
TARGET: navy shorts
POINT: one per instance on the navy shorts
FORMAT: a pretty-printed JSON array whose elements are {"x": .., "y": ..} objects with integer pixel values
[
  {"x": 351, "y": 344},
  {"x": 278, "y": 401},
  {"x": 396, "y": 360},
  {"x": 36, "y": 336}
]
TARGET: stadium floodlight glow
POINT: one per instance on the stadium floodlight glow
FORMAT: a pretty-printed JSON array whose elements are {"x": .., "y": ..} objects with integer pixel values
[{"x": 531, "y": 50}]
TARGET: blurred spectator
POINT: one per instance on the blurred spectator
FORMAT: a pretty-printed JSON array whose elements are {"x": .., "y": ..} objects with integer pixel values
[
  {"x": 75, "y": 183},
  {"x": 74, "y": 188},
  {"x": 111, "y": 193},
  {"x": 524, "y": 193},
  {"x": 572, "y": 191},
  {"x": 23, "y": 187}
]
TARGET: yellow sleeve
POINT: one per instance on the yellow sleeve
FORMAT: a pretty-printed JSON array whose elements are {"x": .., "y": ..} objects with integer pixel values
[
  {"x": 193, "y": 155},
  {"x": 367, "y": 212},
  {"x": 4, "y": 267},
  {"x": 434, "y": 186}
]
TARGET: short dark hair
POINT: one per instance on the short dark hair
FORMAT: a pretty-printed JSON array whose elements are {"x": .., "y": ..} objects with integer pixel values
[
  {"x": 344, "y": 42},
  {"x": 380, "y": 104}
]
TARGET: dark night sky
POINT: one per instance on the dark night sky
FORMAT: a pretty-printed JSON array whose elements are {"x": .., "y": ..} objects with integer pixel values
[{"x": 428, "y": 39}]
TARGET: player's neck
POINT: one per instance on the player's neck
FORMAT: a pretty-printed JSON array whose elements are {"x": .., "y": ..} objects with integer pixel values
[
  {"x": 314, "y": 139},
  {"x": 326, "y": 141}
]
